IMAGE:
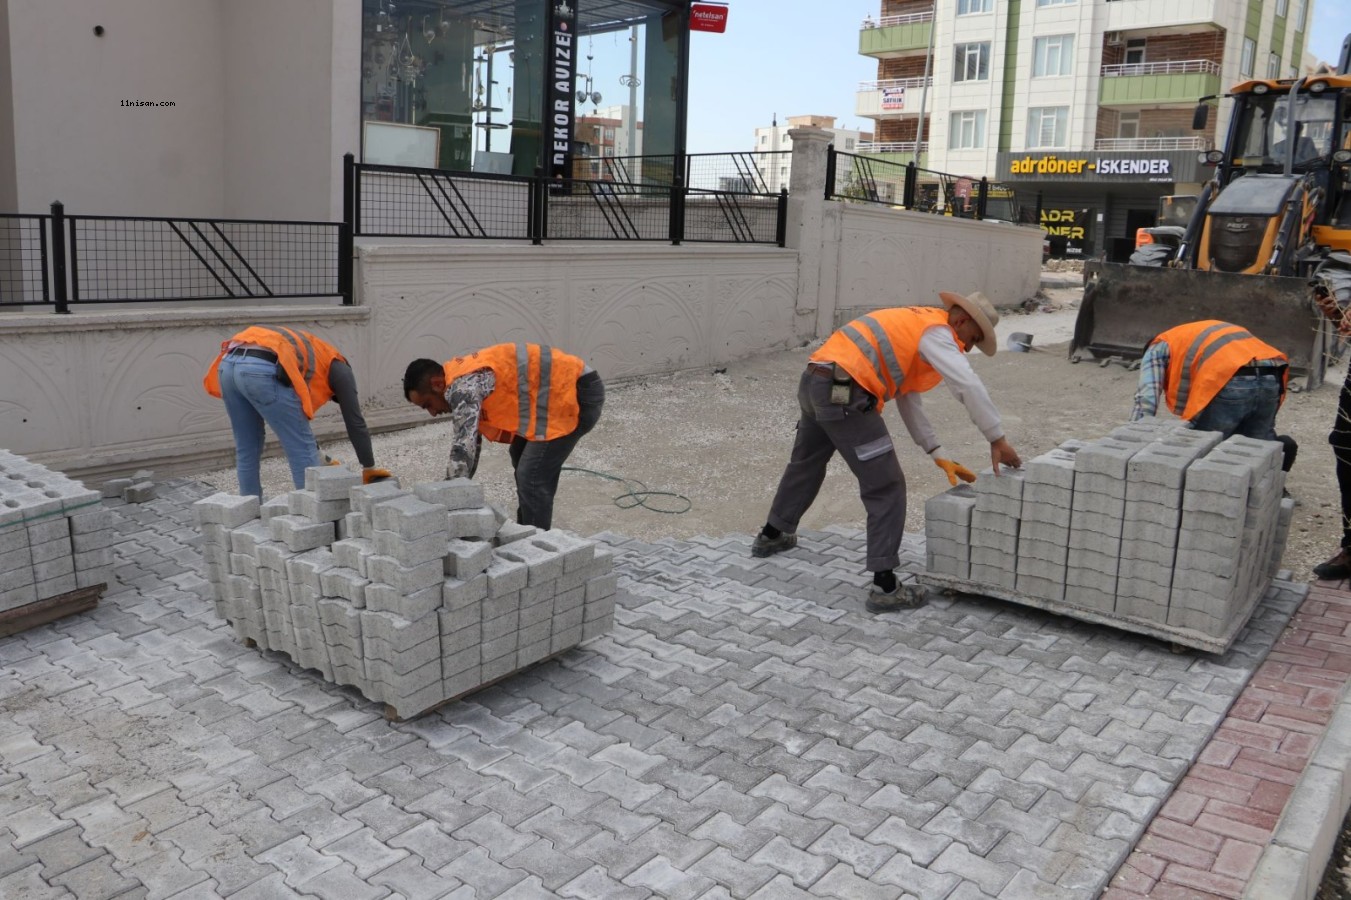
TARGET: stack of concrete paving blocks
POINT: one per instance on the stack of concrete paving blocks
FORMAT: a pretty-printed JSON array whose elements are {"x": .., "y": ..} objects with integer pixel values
[
  {"x": 994, "y": 528},
  {"x": 55, "y": 535},
  {"x": 947, "y": 532},
  {"x": 412, "y": 598},
  {"x": 1230, "y": 516},
  {"x": 1153, "y": 524},
  {"x": 1155, "y": 477},
  {"x": 1043, "y": 538}
]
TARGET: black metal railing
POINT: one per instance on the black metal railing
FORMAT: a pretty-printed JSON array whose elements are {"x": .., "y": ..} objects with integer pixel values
[
  {"x": 24, "y": 276},
  {"x": 752, "y": 172},
  {"x": 59, "y": 260},
  {"x": 867, "y": 179},
  {"x": 631, "y": 199}
]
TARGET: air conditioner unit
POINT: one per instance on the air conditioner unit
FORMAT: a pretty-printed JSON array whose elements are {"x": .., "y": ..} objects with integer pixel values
[{"x": 1112, "y": 38}]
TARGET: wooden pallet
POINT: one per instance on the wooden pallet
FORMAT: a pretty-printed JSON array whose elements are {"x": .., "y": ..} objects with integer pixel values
[
  {"x": 1178, "y": 637},
  {"x": 22, "y": 618}
]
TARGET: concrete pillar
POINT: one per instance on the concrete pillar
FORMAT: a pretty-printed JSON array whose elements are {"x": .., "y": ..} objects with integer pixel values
[{"x": 813, "y": 230}]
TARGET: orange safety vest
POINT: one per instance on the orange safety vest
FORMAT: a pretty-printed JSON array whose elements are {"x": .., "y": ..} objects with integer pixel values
[
  {"x": 880, "y": 351},
  {"x": 1203, "y": 356},
  {"x": 536, "y": 392},
  {"x": 305, "y": 358}
]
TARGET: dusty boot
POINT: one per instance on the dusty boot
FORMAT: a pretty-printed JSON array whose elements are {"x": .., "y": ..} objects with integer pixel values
[
  {"x": 903, "y": 596},
  {"x": 764, "y": 545},
  {"x": 1335, "y": 569}
]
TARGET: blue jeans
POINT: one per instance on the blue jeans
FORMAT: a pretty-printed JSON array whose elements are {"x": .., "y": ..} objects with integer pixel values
[
  {"x": 254, "y": 398},
  {"x": 1246, "y": 406}
]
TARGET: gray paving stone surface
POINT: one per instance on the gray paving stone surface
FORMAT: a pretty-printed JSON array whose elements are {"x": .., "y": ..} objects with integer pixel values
[{"x": 746, "y": 730}]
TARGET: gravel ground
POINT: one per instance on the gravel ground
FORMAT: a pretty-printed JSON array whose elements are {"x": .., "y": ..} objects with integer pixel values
[{"x": 721, "y": 438}]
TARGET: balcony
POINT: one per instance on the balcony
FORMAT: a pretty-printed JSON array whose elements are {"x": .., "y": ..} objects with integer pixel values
[
  {"x": 1176, "y": 81},
  {"x": 1150, "y": 144},
  {"x": 895, "y": 151},
  {"x": 895, "y": 36},
  {"x": 890, "y": 99}
]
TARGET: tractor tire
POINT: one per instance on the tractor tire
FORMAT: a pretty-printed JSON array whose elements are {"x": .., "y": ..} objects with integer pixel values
[{"x": 1151, "y": 255}]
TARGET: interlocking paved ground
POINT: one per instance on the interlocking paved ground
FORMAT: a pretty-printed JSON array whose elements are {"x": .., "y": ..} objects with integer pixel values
[{"x": 746, "y": 731}]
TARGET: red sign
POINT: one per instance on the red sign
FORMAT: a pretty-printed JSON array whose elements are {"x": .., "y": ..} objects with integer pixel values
[{"x": 708, "y": 17}]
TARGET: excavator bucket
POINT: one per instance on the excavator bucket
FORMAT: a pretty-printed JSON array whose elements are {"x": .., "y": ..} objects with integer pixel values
[{"x": 1125, "y": 307}]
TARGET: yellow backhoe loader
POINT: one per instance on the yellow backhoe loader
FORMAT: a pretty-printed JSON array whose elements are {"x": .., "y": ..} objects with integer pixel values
[{"x": 1270, "y": 230}]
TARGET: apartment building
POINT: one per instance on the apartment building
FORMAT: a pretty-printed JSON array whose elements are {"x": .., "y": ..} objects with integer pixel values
[
  {"x": 773, "y": 156},
  {"x": 1085, "y": 105}
]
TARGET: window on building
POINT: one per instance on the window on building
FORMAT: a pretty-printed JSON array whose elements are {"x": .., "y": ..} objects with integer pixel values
[
  {"x": 1053, "y": 55},
  {"x": 1301, "y": 10},
  {"x": 973, "y": 62},
  {"x": 1249, "y": 57},
  {"x": 1282, "y": 7},
  {"x": 609, "y": 134},
  {"x": 967, "y": 130},
  {"x": 783, "y": 170},
  {"x": 1135, "y": 51},
  {"x": 1293, "y": 73},
  {"x": 1273, "y": 65},
  {"x": 764, "y": 139},
  {"x": 1047, "y": 126},
  {"x": 971, "y": 7},
  {"x": 1054, "y": 2},
  {"x": 848, "y": 143},
  {"x": 1128, "y": 125}
]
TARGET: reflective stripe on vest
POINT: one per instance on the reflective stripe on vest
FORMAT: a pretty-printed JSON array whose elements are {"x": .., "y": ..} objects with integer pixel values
[
  {"x": 1189, "y": 361},
  {"x": 546, "y": 365},
  {"x": 300, "y": 342},
  {"x": 892, "y": 370},
  {"x": 522, "y": 387}
]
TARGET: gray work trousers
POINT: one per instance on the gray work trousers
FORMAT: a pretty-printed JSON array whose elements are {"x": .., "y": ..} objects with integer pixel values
[{"x": 858, "y": 432}]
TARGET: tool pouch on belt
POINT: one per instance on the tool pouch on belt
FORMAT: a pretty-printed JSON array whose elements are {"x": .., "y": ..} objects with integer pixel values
[
  {"x": 840, "y": 385},
  {"x": 282, "y": 376}
]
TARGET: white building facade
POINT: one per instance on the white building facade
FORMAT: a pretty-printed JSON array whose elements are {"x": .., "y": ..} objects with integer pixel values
[
  {"x": 773, "y": 158},
  {"x": 1040, "y": 93}
]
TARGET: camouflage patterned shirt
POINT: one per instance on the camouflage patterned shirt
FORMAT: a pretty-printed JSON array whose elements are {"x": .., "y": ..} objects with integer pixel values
[{"x": 465, "y": 396}]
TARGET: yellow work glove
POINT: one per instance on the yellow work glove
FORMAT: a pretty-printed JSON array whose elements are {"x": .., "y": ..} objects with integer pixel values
[
  {"x": 373, "y": 474},
  {"x": 954, "y": 471}
]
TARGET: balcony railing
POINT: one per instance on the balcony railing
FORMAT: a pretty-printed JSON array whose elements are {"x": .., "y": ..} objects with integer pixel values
[
  {"x": 910, "y": 19},
  {"x": 891, "y": 147},
  {"x": 1154, "y": 143},
  {"x": 895, "y": 83},
  {"x": 1171, "y": 67}
]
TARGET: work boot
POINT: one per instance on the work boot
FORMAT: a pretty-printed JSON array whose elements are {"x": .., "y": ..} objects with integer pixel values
[
  {"x": 1335, "y": 569},
  {"x": 903, "y": 596},
  {"x": 763, "y": 545}
]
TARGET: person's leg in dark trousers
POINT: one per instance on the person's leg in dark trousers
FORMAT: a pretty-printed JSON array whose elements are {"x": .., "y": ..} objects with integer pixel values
[
  {"x": 539, "y": 464},
  {"x": 859, "y": 433},
  {"x": 1339, "y": 566}
]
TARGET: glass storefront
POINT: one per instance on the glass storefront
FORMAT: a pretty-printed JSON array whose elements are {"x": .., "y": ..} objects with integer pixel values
[{"x": 509, "y": 86}]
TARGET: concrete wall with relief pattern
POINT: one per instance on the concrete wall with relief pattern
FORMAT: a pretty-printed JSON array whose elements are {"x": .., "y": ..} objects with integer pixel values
[{"x": 103, "y": 391}]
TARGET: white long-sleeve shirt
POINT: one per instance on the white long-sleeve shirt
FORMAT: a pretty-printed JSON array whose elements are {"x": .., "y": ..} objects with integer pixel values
[{"x": 939, "y": 349}]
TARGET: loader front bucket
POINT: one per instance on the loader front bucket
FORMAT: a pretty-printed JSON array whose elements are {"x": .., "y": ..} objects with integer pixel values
[{"x": 1125, "y": 307}]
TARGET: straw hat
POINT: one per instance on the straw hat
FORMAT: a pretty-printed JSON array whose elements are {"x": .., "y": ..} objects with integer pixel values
[{"x": 978, "y": 307}]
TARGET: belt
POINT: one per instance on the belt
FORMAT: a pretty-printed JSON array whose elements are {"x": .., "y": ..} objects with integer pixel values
[
  {"x": 1274, "y": 371},
  {"x": 251, "y": 351},
  {"x": 817, "y": 368}
]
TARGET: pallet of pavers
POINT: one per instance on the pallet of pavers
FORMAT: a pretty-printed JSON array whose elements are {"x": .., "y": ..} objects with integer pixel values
[
  {"x": 56, "y": 543},
  {"x": 413, "y": 598},
  {"x": 1154, "y": 528}
]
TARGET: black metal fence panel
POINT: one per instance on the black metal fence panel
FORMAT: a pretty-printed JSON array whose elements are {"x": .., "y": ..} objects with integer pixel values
[
  {"x": 23, "y": 260},
  {"x": 868, "y": 179},
  {"x": 630, "y": 199},
  {"x": 399, "y": 201},
  {"x": 131, "y": 259}
]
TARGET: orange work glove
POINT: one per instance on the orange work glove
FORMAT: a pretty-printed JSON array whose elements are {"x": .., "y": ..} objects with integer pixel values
[
  {"x": 330, "y": 461},
  {"x": 373, "y": 474},
  {"x": 955, "y": 471}
]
